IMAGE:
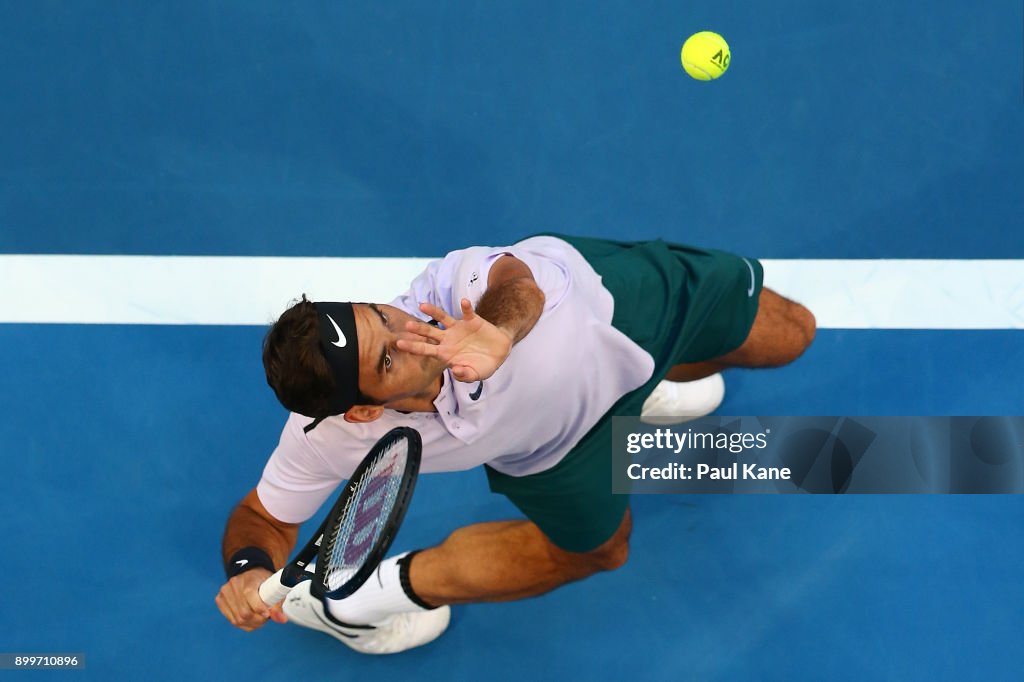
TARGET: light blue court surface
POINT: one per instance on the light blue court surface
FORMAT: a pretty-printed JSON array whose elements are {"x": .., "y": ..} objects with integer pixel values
[{"x": 862, "y": 130}]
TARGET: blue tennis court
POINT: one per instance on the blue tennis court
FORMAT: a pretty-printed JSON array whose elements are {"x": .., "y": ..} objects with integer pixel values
[{"x": 404, "y": 130}]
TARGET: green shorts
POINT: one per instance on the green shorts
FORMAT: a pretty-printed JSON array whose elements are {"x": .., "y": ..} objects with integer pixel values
[{"x": 678, "y": 303}]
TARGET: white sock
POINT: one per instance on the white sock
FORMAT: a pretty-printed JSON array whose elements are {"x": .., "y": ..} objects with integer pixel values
[{"x": 385, "y": 593}]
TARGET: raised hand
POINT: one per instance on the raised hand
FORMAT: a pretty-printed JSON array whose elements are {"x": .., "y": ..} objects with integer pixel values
[{"x": 472, "y": 347}]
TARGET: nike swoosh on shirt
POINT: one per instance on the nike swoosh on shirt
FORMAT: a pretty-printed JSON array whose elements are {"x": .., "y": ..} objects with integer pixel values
[
  {"x": 342, "y": 341},
  {"x": 475, "y": 395},
  {"x": 753, "y": 279}
]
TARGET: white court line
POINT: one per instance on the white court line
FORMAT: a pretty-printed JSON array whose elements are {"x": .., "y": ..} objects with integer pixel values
[{"x": 216, "y": 290}]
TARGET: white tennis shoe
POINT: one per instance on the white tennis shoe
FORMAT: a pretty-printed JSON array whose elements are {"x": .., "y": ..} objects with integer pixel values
[
  {"x": 396, "y": 633},
  {"x": 676, "y": 402}
]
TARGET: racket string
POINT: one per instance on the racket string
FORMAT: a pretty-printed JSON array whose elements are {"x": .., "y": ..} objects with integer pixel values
[{"x": 352, "y": 539}]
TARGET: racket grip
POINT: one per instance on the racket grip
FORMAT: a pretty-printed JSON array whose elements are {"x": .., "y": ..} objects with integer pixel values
[{"x": 272, "y": 590}]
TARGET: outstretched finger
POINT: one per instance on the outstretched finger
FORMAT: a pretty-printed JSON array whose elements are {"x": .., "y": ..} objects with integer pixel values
[
  {"x": 467, "y": 310},
  {"x": 417, "y": 347},
  {"x": 422, "y": 329},
  {"x": 438, "y": 314},
  {"x": 413, "y": 336}
]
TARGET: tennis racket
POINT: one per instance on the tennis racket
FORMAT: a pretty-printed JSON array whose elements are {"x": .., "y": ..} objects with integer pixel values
[{"x": 361, "y": 525}]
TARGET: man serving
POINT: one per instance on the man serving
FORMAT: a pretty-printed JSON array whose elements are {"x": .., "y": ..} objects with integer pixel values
[{"x": 531, "y": 349}]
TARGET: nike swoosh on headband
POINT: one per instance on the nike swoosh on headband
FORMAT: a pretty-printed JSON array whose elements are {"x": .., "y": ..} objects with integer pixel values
[{"x": 342, "y": 341}]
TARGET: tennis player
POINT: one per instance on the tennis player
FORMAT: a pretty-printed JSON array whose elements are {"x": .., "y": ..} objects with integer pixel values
[{"x": 529, "y": 351}]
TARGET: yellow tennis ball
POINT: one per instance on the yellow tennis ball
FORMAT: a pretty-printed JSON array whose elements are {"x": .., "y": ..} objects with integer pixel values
[{"x": 705, "y": 55}]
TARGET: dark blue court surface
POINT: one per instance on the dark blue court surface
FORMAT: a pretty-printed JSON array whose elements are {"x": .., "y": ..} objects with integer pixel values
[{"x": 861, "y": 130}]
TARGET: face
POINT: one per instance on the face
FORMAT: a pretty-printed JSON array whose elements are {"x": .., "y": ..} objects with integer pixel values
[{"x": 386, "y": 373}]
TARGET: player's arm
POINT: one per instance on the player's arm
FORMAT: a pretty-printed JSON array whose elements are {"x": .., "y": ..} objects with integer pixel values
[
  {"x": 252, "y": 526},
  {"x": 475, "y": 346},
  {"x": 512, "y": 302}
]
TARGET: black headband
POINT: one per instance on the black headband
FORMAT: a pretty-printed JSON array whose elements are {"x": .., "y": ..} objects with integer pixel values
[{"x": 340, "y": 346}]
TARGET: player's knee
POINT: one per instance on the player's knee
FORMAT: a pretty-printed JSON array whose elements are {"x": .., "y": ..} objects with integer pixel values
[
  {"x": 614, "y": 553},
  {"x": 608, "y": 557},
  {"x": 808, "y": 326},
  {"x": 800, "y": 333},
  {"x": 613, "y": 557},
  {"x": 805, "y": 328}
]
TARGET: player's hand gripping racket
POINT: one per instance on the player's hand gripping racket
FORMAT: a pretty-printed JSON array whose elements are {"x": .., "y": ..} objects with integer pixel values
[{"x": 358, "y": 531}]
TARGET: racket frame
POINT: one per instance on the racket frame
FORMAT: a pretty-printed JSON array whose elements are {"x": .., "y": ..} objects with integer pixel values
[
  {"x": 276, "y": 587},
  {"x": 391, "y": 525}
]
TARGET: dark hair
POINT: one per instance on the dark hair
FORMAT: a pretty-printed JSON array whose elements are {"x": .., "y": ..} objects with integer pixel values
[
  {"x": 295, "y": 364},
  {"x": 296, "y": 367}
]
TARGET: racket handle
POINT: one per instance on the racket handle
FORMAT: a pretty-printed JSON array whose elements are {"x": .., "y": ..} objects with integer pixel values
[{"x": 272, "y": 590}]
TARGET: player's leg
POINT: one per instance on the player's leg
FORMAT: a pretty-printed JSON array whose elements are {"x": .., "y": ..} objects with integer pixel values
[
  {"x": 405, "y": 603},
  {"x": 781, "y": 332},
  {"x": 506, "y": 560},
  {"x": 574, "y": 528}
]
